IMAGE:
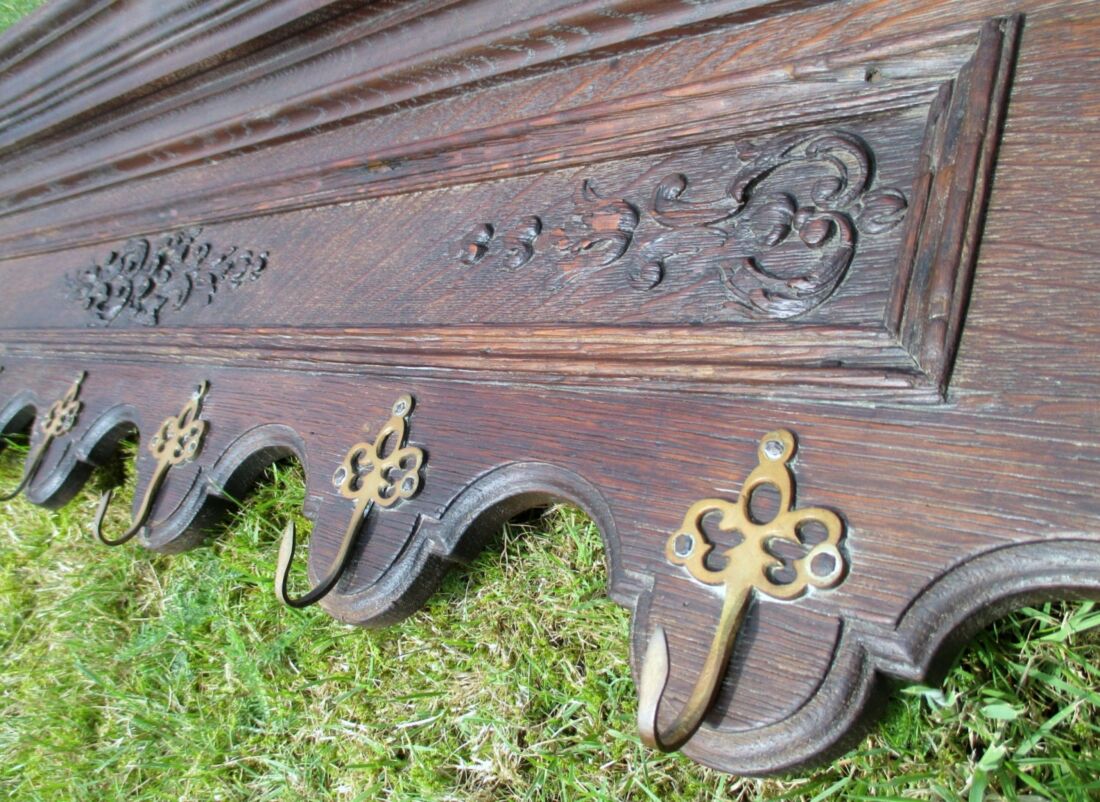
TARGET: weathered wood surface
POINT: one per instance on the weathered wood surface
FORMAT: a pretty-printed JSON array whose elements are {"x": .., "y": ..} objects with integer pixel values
[{"x": 481, "y": 204}]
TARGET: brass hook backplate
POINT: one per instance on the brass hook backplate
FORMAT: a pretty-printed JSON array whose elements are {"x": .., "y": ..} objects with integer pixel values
[
  {"x": 177, "y": 441},
  {"x": 750, "y": 565},
  {"x": 57, "y": 422},
  {"x": 368, "y": 475}
]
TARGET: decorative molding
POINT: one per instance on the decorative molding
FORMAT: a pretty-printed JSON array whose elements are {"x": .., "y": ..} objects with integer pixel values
[
  {"x": 266, "y": 173},
  {"x": 379, "y": 57},
  {"x": 140, "y": 281},
  {"x": 895, "y": 340}
]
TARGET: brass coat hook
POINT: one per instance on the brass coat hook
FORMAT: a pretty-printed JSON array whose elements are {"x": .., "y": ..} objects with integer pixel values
[
  {"x": 370, "y": 477},
  {"x": 58, "y": 421},
  {"x": 750, "y": 565},
  {"x": 177, "y": 441}
]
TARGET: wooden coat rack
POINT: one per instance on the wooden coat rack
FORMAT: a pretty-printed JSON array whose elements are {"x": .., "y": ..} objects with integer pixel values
[{"x": 660, "y": 260}]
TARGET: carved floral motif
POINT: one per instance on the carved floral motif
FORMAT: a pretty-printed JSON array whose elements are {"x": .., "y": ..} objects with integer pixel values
[
  {"x": 776, "y": 254},
  {"x": 598, "y": 232},
  {"x": 778, "y": 241},
  {"x": 141, "y": 281},
  {"x": 514, "y": 249}
]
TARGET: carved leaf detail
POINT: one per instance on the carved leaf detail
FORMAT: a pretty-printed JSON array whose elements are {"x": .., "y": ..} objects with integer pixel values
[
  {"x": 140, "y": 281},
  {"x": 748, "y": 235},
  {"x": 600, "y": 230},
  {"x": 881, "y": 210},
  {"x": 779, "y": 240}
]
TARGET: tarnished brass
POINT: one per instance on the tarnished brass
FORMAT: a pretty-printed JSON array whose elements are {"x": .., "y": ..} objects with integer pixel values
[
  {"x": 58, "y": 421},
  {"x": 750, "y": 565},
  {"x": 177, "y": 441},
  {"x": 370, "y": 476}
]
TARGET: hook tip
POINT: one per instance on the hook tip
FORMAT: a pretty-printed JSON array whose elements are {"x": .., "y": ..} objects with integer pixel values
[
  {"x": 29, "y": 472},
  {"x": 18, "y": 489},
  {"x": 100, "y": 514},
  {"x": 651, "y": 685},
  {"x": 282, "y": 563}
]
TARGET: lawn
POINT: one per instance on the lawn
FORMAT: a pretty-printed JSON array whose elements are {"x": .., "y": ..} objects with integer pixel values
[{"x": 129, "y": 675}]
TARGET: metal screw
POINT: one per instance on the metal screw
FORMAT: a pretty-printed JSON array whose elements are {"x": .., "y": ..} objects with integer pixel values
[
  {"x": 773, "y": 449},
  {"x": 408, "y": 485},
  {"x": 823, "y": 565},
  {"x": 339, "y": 477},
  {"x": 400, "y": 408},
  {"x": 684, "y": 545}
]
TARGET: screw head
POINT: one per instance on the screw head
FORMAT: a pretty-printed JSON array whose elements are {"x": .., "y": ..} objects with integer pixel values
[
  {"x": 401, "y": 407},
  {"x": 773, "y": 449},
  {"x": 683, "y": 545},
  {"x": 339, "y": 477},
  {"x": 408, "y": 485}
]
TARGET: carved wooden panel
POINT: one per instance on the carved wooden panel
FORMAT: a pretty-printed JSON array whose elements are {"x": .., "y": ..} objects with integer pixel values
[{"x": 644, "y": 257}]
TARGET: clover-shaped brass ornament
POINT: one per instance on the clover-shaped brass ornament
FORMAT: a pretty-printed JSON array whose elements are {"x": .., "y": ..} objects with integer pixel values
[
  {"x": 179, "y": 437},
  {"x": 751, "y": 565},
  {"x": 59, "y": 420},
  {"x": 177, "y": 441},
  {"x": 368, "y": 474},
  {"x": 384, "y": 473},
  {"x": 61, "y": 416}
]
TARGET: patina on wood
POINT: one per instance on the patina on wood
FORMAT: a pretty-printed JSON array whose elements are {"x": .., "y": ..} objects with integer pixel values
[{"x": 605, "y": 249}]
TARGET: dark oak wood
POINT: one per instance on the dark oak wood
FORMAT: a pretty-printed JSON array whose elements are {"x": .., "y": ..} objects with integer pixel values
[{"x": 606, "y": 246}]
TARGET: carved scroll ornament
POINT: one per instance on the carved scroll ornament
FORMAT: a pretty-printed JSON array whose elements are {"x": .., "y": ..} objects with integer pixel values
[{"x": 773, "y": 251}]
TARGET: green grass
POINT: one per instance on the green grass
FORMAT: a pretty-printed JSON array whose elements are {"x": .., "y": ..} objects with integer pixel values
[
  {"x": 128, "y": 675},
  {"x": 11, "y": 11}
]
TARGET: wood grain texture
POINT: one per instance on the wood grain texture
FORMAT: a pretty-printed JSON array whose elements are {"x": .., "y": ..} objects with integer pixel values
[{"x": 941, "y": 389}]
